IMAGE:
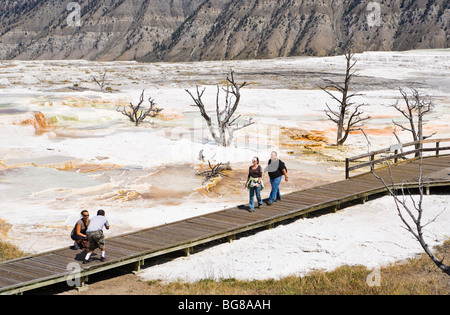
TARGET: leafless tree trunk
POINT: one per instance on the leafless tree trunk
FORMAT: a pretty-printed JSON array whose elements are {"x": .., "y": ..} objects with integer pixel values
[
  {"x": 348, "y": 116},
  {"x": 227, "y": 125},
  {"x": 416, "y": 108},
  {"x": 412, "y": 218},
  {"x": 136, "y": 114}
]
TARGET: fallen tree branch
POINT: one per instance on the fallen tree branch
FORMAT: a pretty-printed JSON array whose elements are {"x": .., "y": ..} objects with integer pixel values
[{"x": 215, "y": 171}]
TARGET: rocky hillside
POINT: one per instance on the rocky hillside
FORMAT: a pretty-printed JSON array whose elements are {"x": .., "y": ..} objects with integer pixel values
[
  {"x": 109, "y": 30},
  {"x": 185, "y": 30}
]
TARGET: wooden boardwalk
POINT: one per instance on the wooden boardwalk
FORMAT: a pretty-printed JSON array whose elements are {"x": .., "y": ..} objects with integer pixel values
[{"x": 20, "y": 275}]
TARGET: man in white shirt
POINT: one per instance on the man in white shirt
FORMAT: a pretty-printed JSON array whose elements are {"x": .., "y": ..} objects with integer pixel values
[{"x": 95, "y": 235}]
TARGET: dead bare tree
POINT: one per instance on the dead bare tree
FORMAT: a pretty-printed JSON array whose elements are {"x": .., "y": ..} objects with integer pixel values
[
  {"x": 136, "y": 114},
  {"x": 416, "y": 108},
  {"x": 227, "y": 125},
  {"x": 414, "y": 224},
  {"x": 348, "y": 116},
  {"x": 101, "y": 83},
  {"x": 412, "y": 218}
]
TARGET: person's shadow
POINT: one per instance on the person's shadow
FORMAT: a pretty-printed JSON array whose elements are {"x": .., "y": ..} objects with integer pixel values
[
  {"x": 81, "y": 255},
  {"x": 244, "y": 207},
  {"x": 247, "y": 208}
]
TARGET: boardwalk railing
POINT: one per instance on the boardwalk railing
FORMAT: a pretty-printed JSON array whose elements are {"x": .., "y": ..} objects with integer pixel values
[{"x": 396, "y": 152}]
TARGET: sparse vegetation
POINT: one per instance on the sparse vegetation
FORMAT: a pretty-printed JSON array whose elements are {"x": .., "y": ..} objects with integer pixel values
[{"x": 9, "y": 251}]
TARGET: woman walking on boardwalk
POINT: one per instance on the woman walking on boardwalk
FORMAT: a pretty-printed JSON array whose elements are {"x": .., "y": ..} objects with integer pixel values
[{"x": 255, "y": 183}]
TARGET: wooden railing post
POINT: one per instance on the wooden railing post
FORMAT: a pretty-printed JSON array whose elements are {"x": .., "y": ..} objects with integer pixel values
[
  {"x": 347, "y": 166},
  {"x": 437, "y": 148},
  {"x": 372, "y": 158}
]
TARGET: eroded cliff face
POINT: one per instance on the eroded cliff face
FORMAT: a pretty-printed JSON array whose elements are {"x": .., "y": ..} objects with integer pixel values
[
  {"x": 237, "y": 29},
  {"x": 109, "y": 30},
  {"x": 187, "y": 30}
]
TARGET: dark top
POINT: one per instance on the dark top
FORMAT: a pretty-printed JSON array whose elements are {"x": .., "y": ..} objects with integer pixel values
[
  {"x": 255, "y": 173},
  {"x": 279, "y": 171},
  {"x": 83, "y": 227}
]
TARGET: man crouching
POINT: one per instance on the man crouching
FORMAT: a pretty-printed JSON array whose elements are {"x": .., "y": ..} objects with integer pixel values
[{"x": 95, "y": 235}]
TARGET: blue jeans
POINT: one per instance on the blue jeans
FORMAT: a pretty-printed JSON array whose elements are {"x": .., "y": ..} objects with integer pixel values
[
  {"x": 275, "y": 192},
  {"x": 254, "y": 190}
]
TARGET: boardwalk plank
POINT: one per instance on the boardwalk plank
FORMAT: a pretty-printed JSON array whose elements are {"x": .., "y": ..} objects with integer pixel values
[
  {"x": 114, "y": 247},
  {"x": 243, "y": 215},
  {"x": 5, "y": 281},
  {"x": 230, "y": 218},
  {"x": 198, "y": 226},
  {"x": 186, "y": 233},
  {"x": 296, "y": 199},
  {"x": 29, "y": 270},
  {"x": 280, "y": 208},
  {"x": 166, "y": 234},
  {"x": 54, "y": 261},
  {"x": 12, "y": 275},
  {"x": 128, "y": 243},
  {"x": 215, "y": 222},
  {"x": 68, "y": 254},
  {"x": 148, "y": 240}
]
